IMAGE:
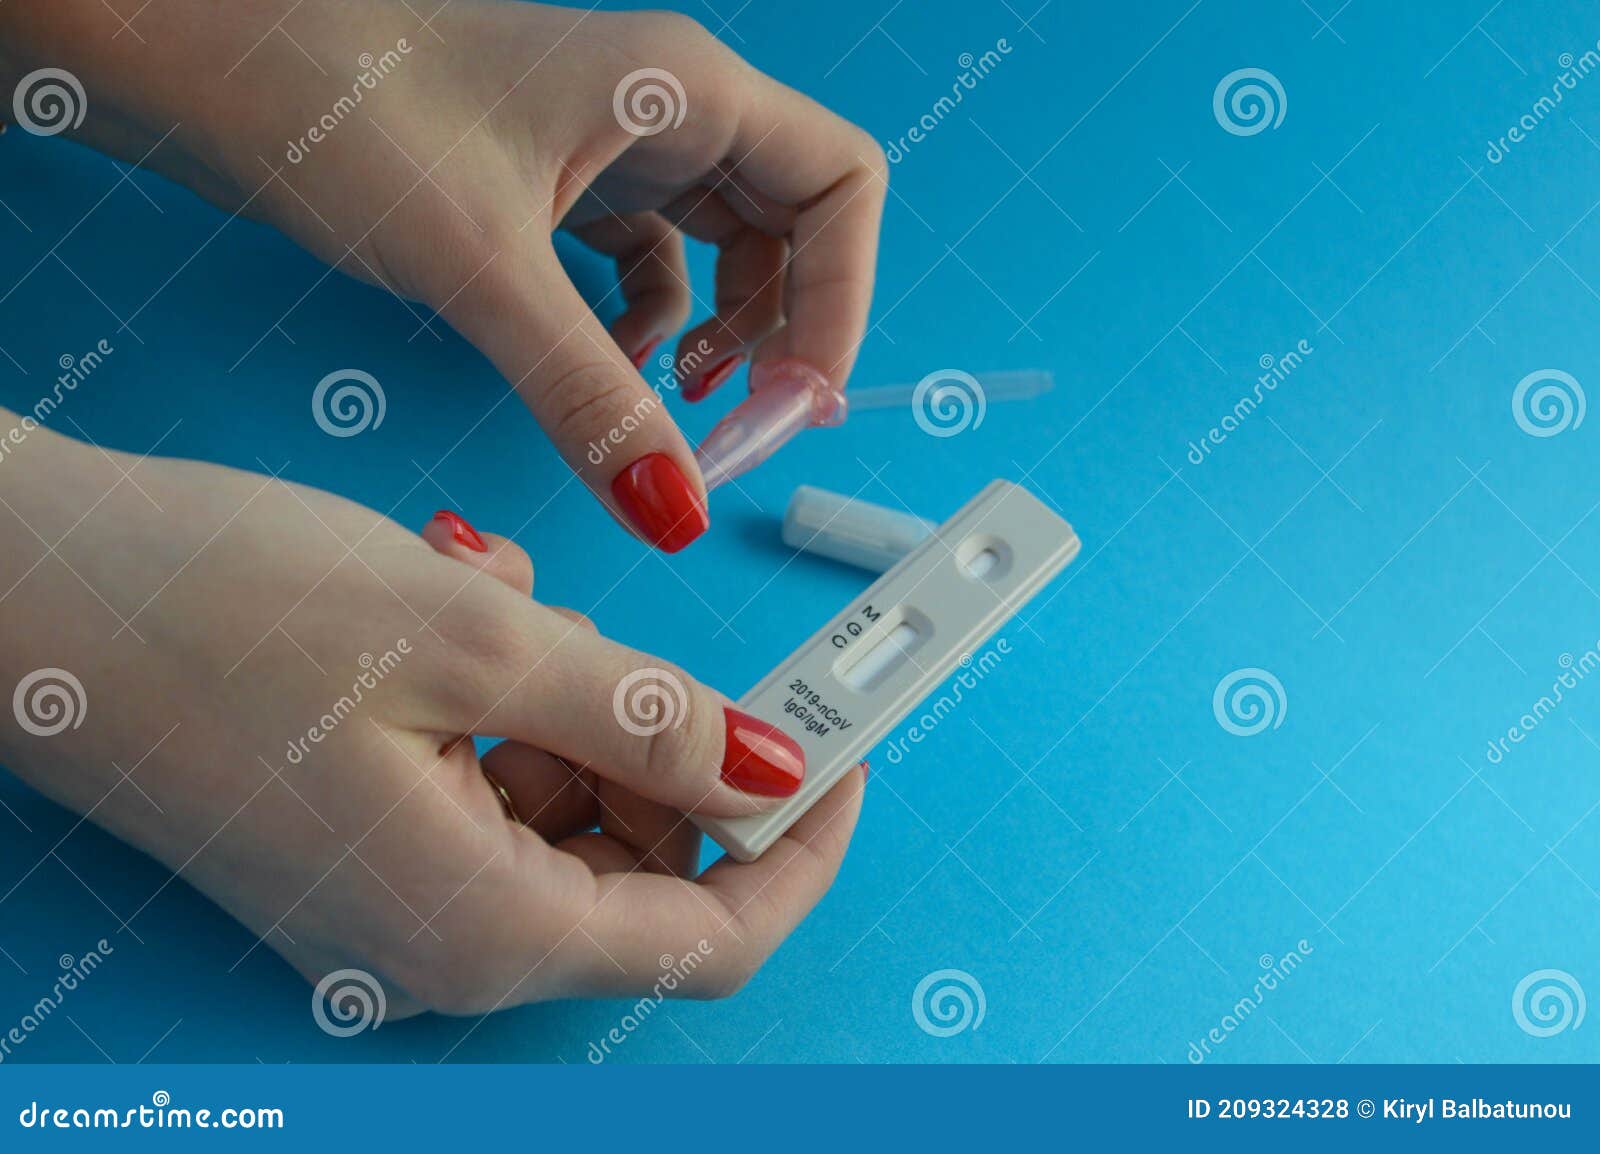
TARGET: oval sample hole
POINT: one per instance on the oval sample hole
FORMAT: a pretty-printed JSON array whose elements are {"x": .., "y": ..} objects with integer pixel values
[
  {"x": 983, "y": 563},
  {"x": 983, "y": 557}
]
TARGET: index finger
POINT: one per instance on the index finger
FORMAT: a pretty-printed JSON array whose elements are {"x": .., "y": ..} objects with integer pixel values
[{"x": 717, "y": 931}]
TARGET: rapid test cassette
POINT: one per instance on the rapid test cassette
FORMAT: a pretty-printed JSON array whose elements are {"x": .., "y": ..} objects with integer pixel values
[{"x": 864, "y": 671}]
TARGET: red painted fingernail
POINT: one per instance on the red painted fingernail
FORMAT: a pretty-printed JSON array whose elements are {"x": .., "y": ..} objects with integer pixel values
[
  {"x": 760, "y": 758},
  {"x": 866, "y": 770},
  {"x": 714, "y": 377},
  {"x": 464, "y": 533},
  {"x": 643, "y": 355},
  {"x": 656, "y": 498}
]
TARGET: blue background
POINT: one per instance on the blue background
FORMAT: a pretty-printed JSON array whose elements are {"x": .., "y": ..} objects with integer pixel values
[{"x": 1381, "y": 535}]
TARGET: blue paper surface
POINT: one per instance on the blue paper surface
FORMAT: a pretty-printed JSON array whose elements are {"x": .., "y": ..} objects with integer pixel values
[{"x": 1088, "y": 839}]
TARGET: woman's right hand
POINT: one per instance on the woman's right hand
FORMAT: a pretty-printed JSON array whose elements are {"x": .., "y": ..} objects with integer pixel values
[
  {"x": 273, "y": 683},
  {"x": 441, "y": 168}
]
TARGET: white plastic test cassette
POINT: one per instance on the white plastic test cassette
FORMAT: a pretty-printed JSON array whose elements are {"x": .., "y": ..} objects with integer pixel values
[{"x": 858, "y": 677}]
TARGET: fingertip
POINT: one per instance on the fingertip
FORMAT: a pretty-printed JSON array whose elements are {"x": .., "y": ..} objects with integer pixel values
[
  {"x": 796, "y": 870},
  {"x": 660, "y": 501},
  {"x": 835, "y": 814},
  {"x": 449, "y": 528},
  {"x": 641, "y": 354},
  {"x": 502, "y": 558},
  {"x": 702, "y": 385}
]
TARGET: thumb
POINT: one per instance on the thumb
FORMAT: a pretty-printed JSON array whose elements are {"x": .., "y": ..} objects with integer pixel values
[
  {"x": 646, "y": 726},
  {"x": 526, "y": 316}
]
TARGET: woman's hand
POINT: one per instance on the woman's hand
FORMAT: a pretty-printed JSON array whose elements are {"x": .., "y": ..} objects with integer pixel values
[
  {"x": 437, "y": 156},
  {"x": 274, "y": 682}
]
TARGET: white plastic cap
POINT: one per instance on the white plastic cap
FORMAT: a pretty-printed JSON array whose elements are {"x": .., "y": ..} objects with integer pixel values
[{"x": 855, "y": 532}]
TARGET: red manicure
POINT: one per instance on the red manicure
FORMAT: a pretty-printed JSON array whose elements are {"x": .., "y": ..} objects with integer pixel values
[
  {"x": 760, "y": 758},
  {"x": 714, "y": 377},
  {"x": 464, "y": 533},
  {"x": 656, "y": 498},
  {"x": 643, "y": 355}
]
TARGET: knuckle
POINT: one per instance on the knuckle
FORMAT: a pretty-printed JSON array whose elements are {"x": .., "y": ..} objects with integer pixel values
[
  {"x": 475, "y": 633},
  {"x": 478, "y": 639},
  {"x": 489, "y": 241},
  {"x": 515, "y": 566},
  {"x": 462, "y": 248},
  {"x": 872, "y": 157},
  {"x": 682, "y": 730},
  {"x": 586, "y": 403},
  {"x": 662, "y": 25},
  {"x": 695, "y": 54}
]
